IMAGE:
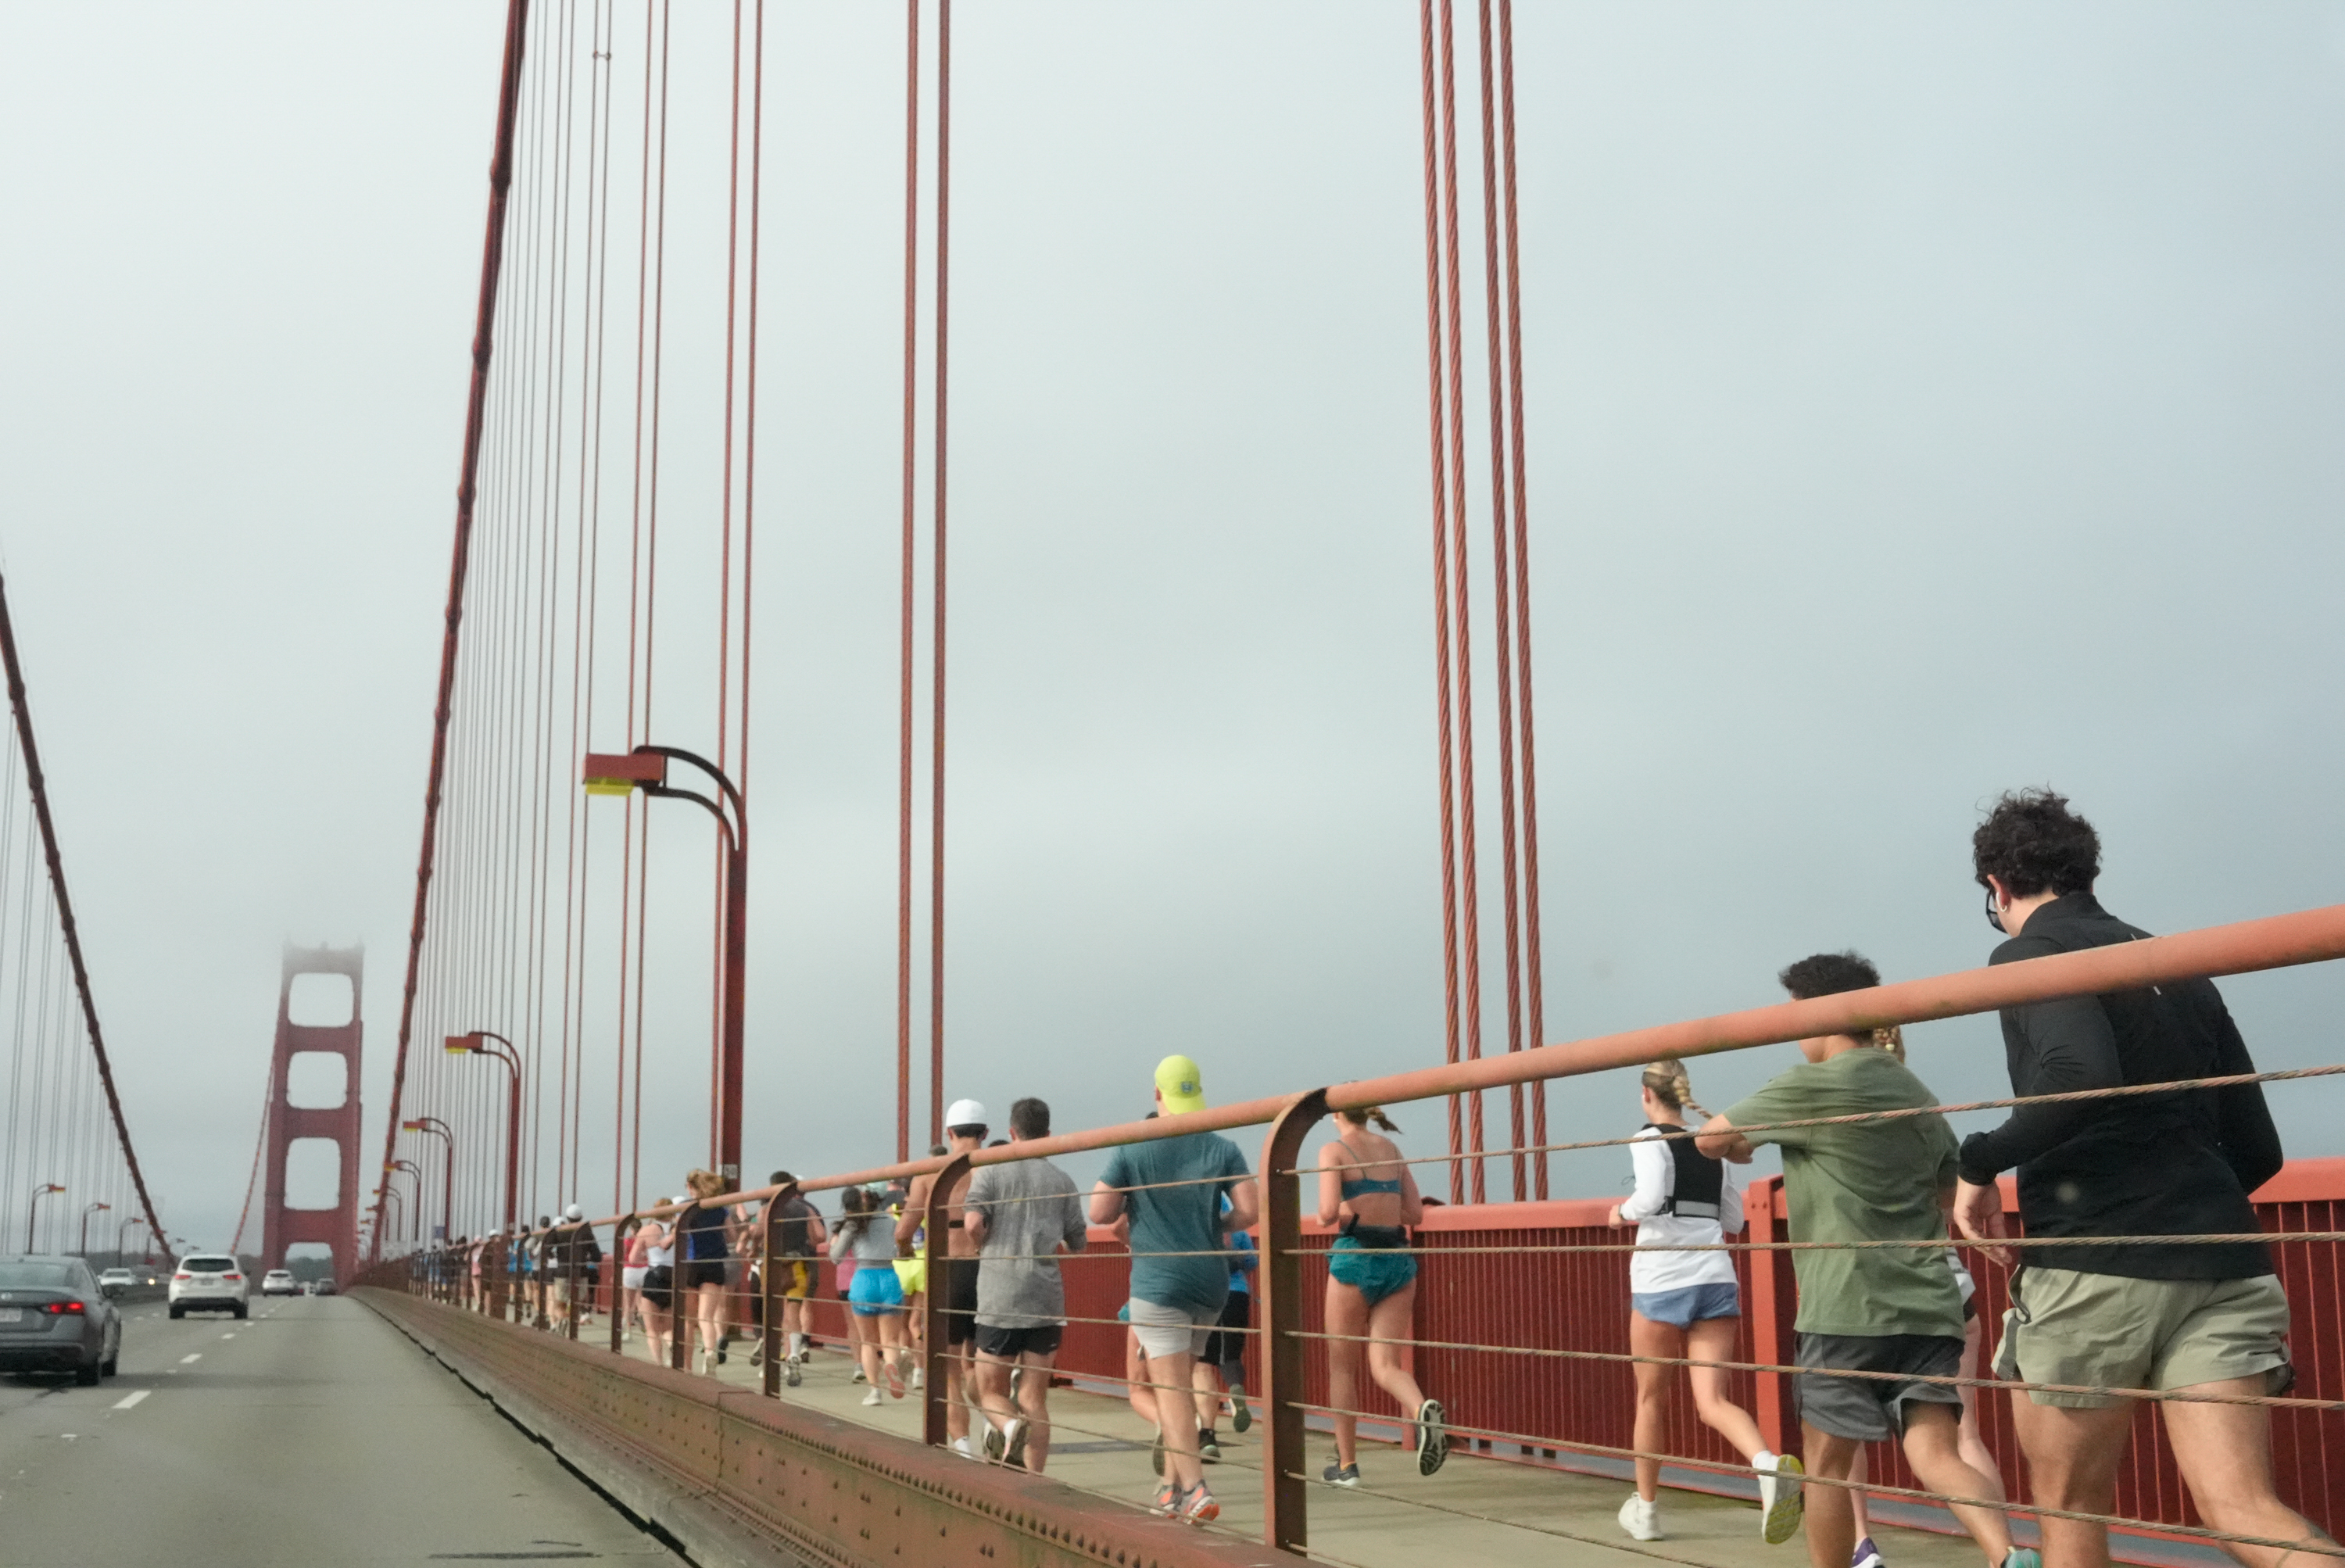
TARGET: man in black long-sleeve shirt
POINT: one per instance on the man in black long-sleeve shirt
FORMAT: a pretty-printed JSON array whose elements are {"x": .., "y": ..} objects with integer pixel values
[{"x": 2160, "y": 1315}]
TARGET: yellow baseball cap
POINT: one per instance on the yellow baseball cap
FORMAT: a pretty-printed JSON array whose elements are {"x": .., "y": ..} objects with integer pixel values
[{"x": 1183, "y": 1087}]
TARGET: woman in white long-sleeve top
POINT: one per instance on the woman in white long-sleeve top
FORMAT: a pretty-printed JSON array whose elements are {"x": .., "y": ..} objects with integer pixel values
[{"x": 1686, "y": 1305}]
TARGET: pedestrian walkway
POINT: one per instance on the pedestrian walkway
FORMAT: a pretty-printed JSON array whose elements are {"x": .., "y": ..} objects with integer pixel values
[{"x": 1475, "y": 1510}]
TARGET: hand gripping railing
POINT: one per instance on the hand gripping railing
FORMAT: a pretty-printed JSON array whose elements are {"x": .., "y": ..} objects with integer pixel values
[{"x": 2310, "y": 937}]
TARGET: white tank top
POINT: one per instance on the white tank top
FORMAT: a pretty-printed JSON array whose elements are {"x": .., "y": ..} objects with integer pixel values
[{"x": 663, "y": 1257}]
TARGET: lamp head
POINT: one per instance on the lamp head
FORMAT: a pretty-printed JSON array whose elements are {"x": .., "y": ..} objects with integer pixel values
[
  {"x": 463, "y": 1044},
  {"x": 621, "y": 772},
  {"x": 413, "y": 1127}
]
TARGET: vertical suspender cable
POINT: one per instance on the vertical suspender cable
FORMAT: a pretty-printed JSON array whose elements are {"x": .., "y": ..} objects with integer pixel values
[
  {"x": 1535, "y": 992},
  {"x": 936, "y": 579},
  {"x": 1502, "y": 601},
  {"x": 1469, "y": 902},
  {"x": 492, "y": 254},
  {"x": 904, "y": 735},
  {"x": 725, "y": 608},
  {"x": 39, "y": 788},
  {"x": 1452, "y": 977}
]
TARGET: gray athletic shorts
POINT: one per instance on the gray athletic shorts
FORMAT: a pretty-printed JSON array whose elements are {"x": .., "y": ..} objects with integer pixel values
[
  {"x": 1870, "y": 1410},
  {"x": 2109, "y": 1331}
]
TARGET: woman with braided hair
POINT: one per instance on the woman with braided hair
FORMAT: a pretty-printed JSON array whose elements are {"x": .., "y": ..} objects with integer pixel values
[{"x": 1687, "y": 1304}]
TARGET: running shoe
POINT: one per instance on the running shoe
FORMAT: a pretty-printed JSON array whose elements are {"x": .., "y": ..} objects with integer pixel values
[
  {"x": 993, "y": 1445},
  {"x": 960, "y": 1446},
  {"x": 1168, "y": 1499},
  {"x": 1240, "y": 1414},
  {"x": 1017, "y": 1377},
  {"x": 1341, "y": 1475},
  {"x": 790, "y": 1371},
  {"x": 1207, "y": 1449},
  {"x": 2024, "y": 1557},
  {"x": 1866, "y": 1555},
  {"x": 757, "y": 1356},
  {"x": 858, "y": 1377},
  {"x": 1640, "y": 1519},
  {"x": 1013, "y": 1442},
  {"x": 720, "y": 1350},
  {"x": 1432, "y": 1439},
  {"x": 872, "y": 1397},
  {"x": 1156, "y": 1452},
  {"x": 1198, "y": 1507},
  {"x": 920, "y": 1376},
  {"x": 895, "y": 1381},
  {"x": 1779, "y": 1499}
]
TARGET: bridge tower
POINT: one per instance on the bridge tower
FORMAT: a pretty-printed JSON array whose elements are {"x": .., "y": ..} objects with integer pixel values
[{"x": 337, "y": 1227}]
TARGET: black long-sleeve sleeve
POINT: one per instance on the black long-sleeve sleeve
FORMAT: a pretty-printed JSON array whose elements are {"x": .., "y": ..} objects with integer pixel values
[
  {"x": 2250, "y": 1143},
  {"x": 2056, "y": 1048}
]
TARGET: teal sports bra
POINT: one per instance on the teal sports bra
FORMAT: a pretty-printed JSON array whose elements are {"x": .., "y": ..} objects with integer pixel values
[{"x": 1366, "y": 1185}]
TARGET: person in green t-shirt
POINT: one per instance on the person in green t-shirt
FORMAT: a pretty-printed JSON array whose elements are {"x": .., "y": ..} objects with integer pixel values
[{"x": 1892, "y": 1309}]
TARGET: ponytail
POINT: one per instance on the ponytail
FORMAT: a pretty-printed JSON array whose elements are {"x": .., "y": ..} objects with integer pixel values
[
  {"x": 1668, "y": 1083},
  {"x": 1370, "y": 1116},
  {"x": 1892, "y": 1039}
]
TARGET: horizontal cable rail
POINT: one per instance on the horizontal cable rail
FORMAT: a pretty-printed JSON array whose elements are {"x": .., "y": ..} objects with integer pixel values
[{"x": 1273, "y": 1345}]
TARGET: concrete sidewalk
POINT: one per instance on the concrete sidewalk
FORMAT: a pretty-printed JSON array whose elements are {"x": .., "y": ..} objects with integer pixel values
[{"x": 1475, "y": 1510}]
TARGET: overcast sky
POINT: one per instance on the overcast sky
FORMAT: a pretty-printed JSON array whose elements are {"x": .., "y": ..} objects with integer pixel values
[{"x": 1922, "y": 401}]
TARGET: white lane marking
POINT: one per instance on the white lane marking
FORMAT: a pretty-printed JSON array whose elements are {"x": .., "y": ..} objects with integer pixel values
[
  {"x": 129, "y": 1400},
  {"x": 228, "y": 1336},
  {"x": 197, "y": 1357}
]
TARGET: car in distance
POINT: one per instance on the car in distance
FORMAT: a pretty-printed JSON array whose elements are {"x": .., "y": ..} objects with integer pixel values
[
  {"x": 209, "y": 1282},
  {"x": 115, "y": 1281},
  {"x": 321, "y": 1287},
  {"x": 54, "y": 1319},
  {"x": 279, "y": 1282}
]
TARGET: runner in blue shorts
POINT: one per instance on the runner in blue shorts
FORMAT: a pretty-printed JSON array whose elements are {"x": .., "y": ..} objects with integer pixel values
[{"x": 1687, "y": 1304}]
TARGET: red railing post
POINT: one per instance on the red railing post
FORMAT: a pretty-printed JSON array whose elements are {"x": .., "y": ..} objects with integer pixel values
[
  {"x": 1770, "y": 1337},
  {"x": 1278, "y": 1282},
  {"x": 941, "y": 1386},
  {"x": 769, "y": 1290},
  {"x": 622, "y": 1237}
]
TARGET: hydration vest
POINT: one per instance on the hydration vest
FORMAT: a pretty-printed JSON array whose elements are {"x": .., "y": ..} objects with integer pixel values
[{"x": 1696, "y": 1182}]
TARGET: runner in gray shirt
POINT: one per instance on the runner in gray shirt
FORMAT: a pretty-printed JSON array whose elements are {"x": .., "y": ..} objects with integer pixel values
[{"x": 1022, "y": 1215}]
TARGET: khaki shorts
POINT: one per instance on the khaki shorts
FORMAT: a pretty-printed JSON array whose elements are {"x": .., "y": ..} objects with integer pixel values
[{"x": 2109, "y": 1331}]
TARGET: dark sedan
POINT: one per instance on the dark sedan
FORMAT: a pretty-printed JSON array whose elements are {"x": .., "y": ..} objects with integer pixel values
[{"x": 54, "y": 1319}]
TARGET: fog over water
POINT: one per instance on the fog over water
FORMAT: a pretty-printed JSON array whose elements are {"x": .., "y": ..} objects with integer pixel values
[{"x": 1922, "y": 401}]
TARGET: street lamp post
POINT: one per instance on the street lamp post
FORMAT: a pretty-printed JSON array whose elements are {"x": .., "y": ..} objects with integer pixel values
[
  {"x": 93, "y": 1208},
  {"x": 411, "y": 1168},
  {"x": 645, "y": 768},
  {"x": 475, "y": 1044},
  {"x": 447, "y": 1136},
  {"x": 41, "y": 1189},
  {"x": 391, "y": 1195},
  {"x": 120, "y": 1250}
]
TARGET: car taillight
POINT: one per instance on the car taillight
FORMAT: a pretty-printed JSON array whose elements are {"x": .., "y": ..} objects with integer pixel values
[
  {"x": 58, "y": 1308},
  {"x": 231, "y": 1276},
  {"x": 183, "y": 1277}
]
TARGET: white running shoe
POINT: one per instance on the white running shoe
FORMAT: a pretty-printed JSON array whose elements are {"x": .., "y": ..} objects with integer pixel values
[
  {"x": 1780, "y": 1503},
  {"x": 920, "y": 1376},
  {"x": 960, "y": 1446},
  {"x": 872, "y": 1397},
  {"x": 1640, "y": 1519}
]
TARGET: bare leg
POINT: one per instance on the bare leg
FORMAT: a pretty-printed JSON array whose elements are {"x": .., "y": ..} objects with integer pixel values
[
  {"x": 1832, "y": 1526},
  {"x": 1932, "y": 1447},
  {"x": 1647, "y": 1337},
  {"x": 1034, "y": 1404},
  {"x": 1348, "y": 1314},
  {"x": 1972, "y": 1447},
  {"x": 1205, "y": 1379},
  {"x": 1135, "y": 1379},
  {"x": 2224, "y": 1452},
  {"x": 2072, "y": 1463},
  {"x": 958, "y": 1392},
  {"x": 1389, "y": 1321},
  {"x": 1712, "y": 1340},
  {"x": 993, "y": 1389},
  {"x": 1860, "y": 1517},
  {"x": 1176, "y": 1412}
]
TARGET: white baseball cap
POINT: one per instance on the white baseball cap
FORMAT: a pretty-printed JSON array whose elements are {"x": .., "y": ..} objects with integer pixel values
[
  {"x": 573, "y": 1212},
  {"x": 965, "y": 1114}
]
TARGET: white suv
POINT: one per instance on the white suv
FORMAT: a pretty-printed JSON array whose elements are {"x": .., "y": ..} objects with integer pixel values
[
  {"x": 208, "y": 1282},
  {"x": 280, "y": 1282}
]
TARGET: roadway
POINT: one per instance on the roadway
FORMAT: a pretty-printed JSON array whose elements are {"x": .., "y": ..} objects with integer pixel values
[{"x": 313, "y": 1431}]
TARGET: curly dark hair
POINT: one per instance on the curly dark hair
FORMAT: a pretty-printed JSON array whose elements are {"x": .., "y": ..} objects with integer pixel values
[
  {"x": 1828, "y": 973},
  {"x": 2032, "y": 842}
]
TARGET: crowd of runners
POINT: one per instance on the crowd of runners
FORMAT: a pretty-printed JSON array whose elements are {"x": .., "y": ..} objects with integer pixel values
[{"x": 1888, "y": 1325}]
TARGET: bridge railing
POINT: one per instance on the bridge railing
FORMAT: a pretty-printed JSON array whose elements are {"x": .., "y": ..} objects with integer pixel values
[{"x": 1521, "y": 1318}]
